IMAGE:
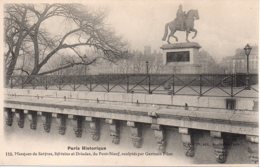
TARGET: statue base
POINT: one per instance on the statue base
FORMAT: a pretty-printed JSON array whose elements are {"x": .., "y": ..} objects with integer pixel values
[{"x": 182, "y": 58}]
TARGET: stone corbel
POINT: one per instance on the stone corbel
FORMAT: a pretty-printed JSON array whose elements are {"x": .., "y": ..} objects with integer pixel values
[
  {"x": 9, "y": 114},
  {"x": 20, "y": 118},
  {"x": 253, "y": 148},
  {"x": 94, "y": 124},
  {"x": 136, "y": 134},
  {"x": 187, "y": 142},
  {"x": 159, "y": 134},
  {"x": 46, "y": 119},
  {"x": 62, "y": 119},
  {"x": 219, "y": 147},
  {"x": 114, "y": 127},
  {"x": 32, "y": 116},
  {"x": 78, "y": 125}
]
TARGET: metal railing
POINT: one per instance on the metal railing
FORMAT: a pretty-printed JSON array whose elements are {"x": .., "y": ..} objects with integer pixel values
[{"x": 181, "y": 84}]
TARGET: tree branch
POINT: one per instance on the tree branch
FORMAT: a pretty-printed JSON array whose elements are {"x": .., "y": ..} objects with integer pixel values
[
  {"x": 67, "y": 34},
  {"x": 23, "y": 70},
  {"x": 67, "y": 66}
]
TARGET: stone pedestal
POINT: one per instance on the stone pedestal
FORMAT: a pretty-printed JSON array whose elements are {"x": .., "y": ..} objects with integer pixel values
[{"x": 182, "y": 57}]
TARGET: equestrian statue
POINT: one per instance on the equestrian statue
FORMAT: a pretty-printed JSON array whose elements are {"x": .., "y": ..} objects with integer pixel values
[{"x": 182, "y": 22}]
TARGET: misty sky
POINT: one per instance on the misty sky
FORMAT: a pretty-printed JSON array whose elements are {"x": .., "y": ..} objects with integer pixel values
[{"x": 224, "y": 25}]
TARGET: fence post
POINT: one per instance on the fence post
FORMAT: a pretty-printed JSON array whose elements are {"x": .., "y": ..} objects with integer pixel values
[
  {"x": 46, "y": 82},
  {"x": 173, "y": 84},
  {"x": 74, "y": 86},
  {"x": 86, "y": 81},
  {"x": 149, "y": 84},
  {"x": 108, "y": 90},
  {"x": 232, "y": 84},
  {"x": 90, "y": 83},
  {"x": 59, "y": 82},
  {"x": 127, "y": 83},
  {"x": 249, "y": 81},
  {"x": 32, "y": 81},
  {"x": 22, "y": 82},
  {"x": 200, "y": 85},
  {"x": 11, "y": 79}
]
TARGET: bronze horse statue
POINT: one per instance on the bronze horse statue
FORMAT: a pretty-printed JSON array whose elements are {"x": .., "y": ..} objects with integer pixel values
[{"x": 175, "y": 25}]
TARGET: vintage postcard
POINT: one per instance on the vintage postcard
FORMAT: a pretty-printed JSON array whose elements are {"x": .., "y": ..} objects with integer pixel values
[{"x": 129, "y": 83}]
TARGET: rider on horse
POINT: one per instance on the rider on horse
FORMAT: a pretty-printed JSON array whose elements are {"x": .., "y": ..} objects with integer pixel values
[
  {"x": 180, "y": 17},
  {"x": 183, "y": 22}
]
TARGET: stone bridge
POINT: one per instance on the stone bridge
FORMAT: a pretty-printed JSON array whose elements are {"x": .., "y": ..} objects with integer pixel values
[{"x": 220, "y": 116}]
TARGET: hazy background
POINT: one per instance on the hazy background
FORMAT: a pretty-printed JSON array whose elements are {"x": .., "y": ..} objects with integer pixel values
[{"x": 224, "y": 25}]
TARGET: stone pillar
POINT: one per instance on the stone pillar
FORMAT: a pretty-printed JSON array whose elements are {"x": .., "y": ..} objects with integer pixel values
[
  {"x": 78, "y": 125},
  {"x": 136, "y": 134},
  {"x": 61, "y": 119},
  {"x": 159, "y": 134},
  {"x": 47, "y": 118},
  {"x": 253, "y": 148},
  {"x": 114, "y": 127},
  {"x": 20, "y": 118},
  {"x": 9, "y": 116},
  {"x": 94, "y": 124},
  {"x": 32, "y": 116},
  {"x": 219, "y": 147},
  {"x": 187, "y": 142}
]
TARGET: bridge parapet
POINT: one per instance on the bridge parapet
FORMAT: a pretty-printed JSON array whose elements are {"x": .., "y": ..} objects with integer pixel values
[
  {"x": 194, "y": 102},
  {"x": 183, "y": 116},
  {"x": 187, "y": 113}
]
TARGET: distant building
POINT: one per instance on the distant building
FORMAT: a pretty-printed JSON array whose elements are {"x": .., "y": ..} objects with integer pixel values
[
  {"x": 147, "y": 50},
  {"x": 207, "y": 63},
  {"x": 226, "y": 64},
  {"x": 238, "y": 62}
]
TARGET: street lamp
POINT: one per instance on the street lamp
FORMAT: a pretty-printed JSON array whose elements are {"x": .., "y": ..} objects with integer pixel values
[{"x": 247, "y": 52}]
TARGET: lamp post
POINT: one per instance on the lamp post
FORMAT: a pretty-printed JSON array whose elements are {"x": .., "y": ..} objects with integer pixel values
[{"x": 247, "y": 52}]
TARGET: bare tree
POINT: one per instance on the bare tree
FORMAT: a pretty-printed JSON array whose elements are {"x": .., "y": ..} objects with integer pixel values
[
  {"x": 26, "y": 35},
  {"x": 136, "y": 63}
]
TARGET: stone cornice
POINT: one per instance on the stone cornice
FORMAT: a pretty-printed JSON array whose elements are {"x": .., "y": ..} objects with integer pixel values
[{"x": 181, "y": 45}]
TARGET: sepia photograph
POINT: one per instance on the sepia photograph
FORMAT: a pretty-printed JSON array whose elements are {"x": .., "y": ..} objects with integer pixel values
[{"x": 129, "y": 83}]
